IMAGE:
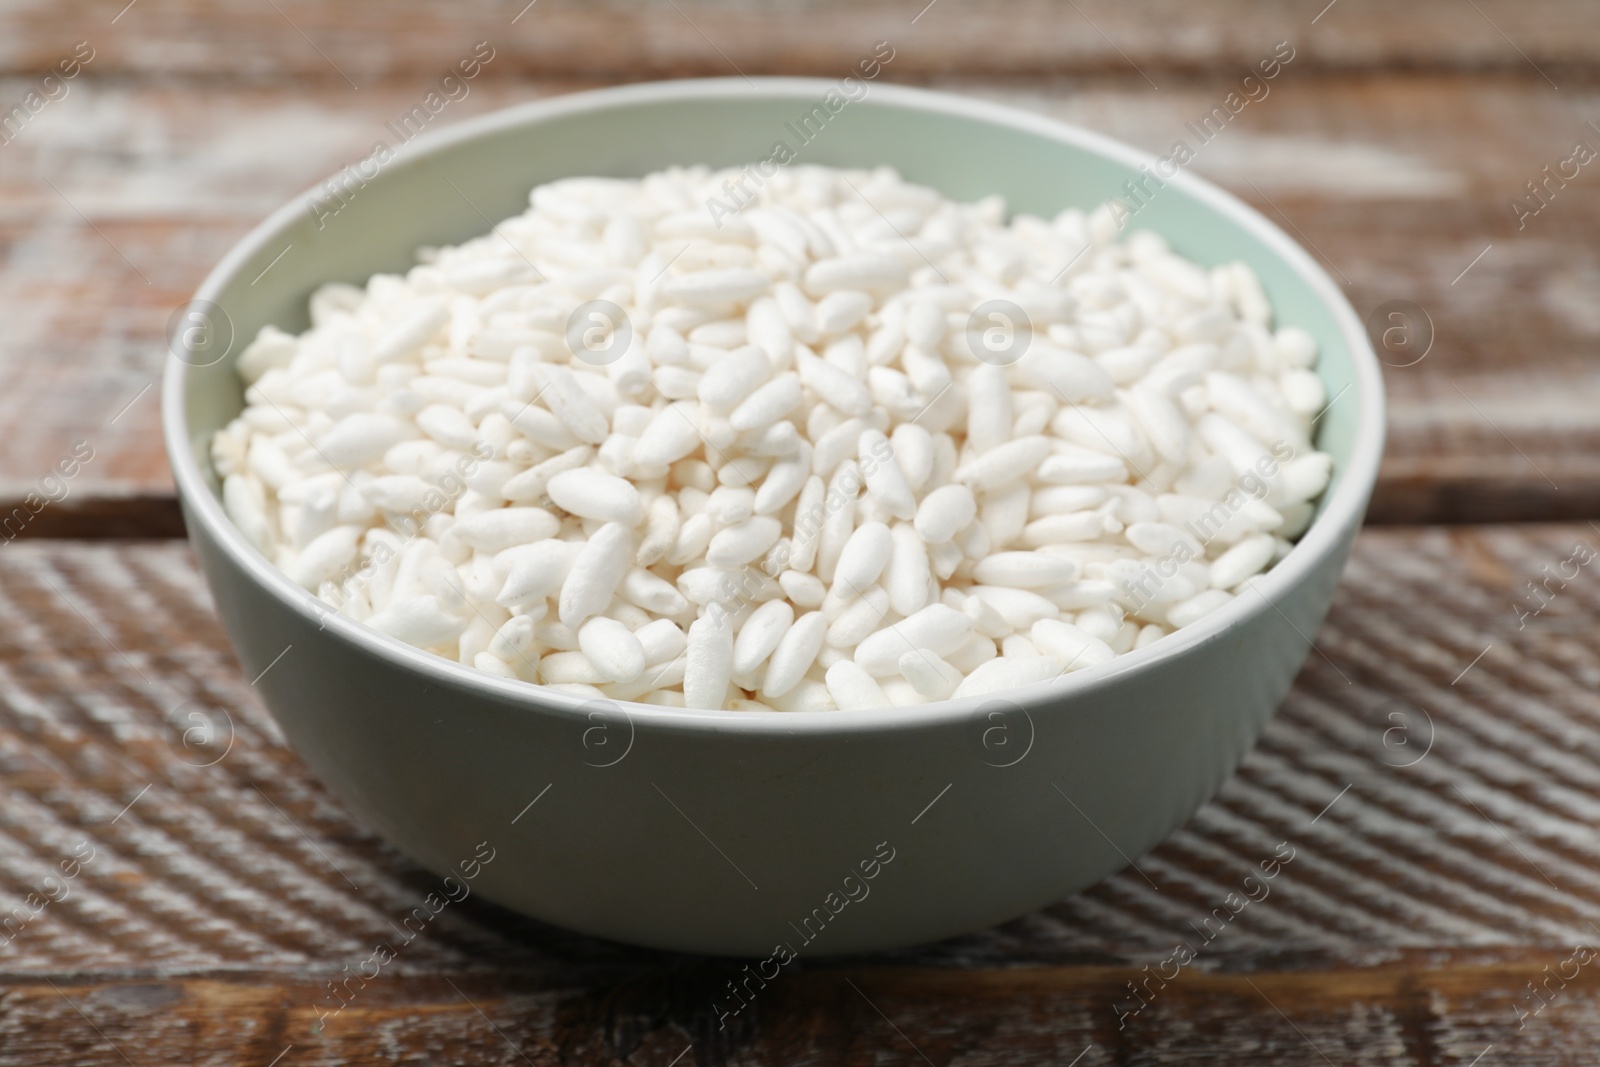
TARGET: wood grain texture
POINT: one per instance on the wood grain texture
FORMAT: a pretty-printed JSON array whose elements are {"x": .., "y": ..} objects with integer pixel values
[
  {"x": 1435, "y": 769},
  {"x": 117, "y": 200},
  {"x": 1410, "y": 1015},
  {"x": 1434, "y": 772},
  {"x": 360, "y": 43}
]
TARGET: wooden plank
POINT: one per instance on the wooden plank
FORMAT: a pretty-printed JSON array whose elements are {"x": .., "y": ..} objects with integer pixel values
[
  {"x": 1415, "y": 1014},
  {"x": 360, "y": 43},
  {"x": 1498, "y": 421},
  {"x": 1434, "y": 772}
]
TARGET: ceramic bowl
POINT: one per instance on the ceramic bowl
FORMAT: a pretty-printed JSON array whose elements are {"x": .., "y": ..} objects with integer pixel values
[{"x": 739, "y": 832}]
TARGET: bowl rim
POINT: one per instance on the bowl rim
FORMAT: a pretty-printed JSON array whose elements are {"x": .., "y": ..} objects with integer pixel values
[{"x": 1340, "y": 514}]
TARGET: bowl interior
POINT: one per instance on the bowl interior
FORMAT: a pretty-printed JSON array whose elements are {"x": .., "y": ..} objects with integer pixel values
[{"x": 452, "y": 186}]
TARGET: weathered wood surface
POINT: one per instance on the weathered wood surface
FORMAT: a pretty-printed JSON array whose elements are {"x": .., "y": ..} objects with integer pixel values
[
  {"x": 1442, "y": 860},
  {"x": 1460, "y": 865},
  {"x": 1408, "y": 1015},
  {"x": 359, "y": 43},
  {"x": 1499, "y": 421}
]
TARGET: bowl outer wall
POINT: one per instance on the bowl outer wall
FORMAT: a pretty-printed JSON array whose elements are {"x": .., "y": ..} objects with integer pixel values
[
  {"x": 713, "y": 840},
  {"x": 667, "y": 846}
]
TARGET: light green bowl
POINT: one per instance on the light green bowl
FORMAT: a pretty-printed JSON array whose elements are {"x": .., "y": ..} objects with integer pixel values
[{"x": 733, "y": 832}]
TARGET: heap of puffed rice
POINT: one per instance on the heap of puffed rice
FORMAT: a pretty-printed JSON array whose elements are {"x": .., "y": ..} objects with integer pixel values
[{"x": 846, "y": 445}]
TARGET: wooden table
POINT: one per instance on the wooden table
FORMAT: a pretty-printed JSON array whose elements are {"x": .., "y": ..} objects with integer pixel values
[{"x": 1436, "y": 770}]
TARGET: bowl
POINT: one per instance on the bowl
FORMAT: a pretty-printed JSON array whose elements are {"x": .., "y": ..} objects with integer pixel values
[{"x": 750, "y": 833}]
